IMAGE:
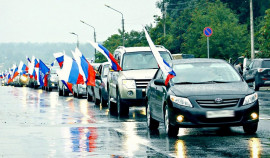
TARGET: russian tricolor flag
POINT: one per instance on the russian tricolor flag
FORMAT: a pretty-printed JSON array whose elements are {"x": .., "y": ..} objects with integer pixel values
[
  {"x": 70, "y": 71},
  {"x": 164, "y": 66},
  {"x": 59, "y": 58},
  {"x": 87, "y": 69},
  {"x": 115, "y": 66},
  {"x": 22, "y": 69}
]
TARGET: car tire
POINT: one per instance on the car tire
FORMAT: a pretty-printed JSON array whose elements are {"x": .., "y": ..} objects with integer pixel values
[
  {"x": 151, "y": 123},
  {"x": 79, "y": 95},
  {"x": 89, "y": 98},
  {"x": 102, "y": 101},
  {"x": 122, "y": 108},
  {"x": 171, "y": 130},
  {"x": 111, "y": 105},
  {"x": 250, "y": 128},
  {"x": 255, "y": 85},
  {"x": 60, "y": 92},
  {"x": 96, "y": 101},
  {"x": 65, "y": 93}
]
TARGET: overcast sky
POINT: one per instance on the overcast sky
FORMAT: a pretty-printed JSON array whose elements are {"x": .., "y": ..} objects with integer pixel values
[{"x": 52, "y": 20}]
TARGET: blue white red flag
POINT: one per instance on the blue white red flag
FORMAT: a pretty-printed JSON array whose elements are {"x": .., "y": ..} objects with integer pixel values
[
  {"x": 43, "y": 69},
  {"x": 86, "y": 67},
  {"x": 59, "y": 58},
  {"x": 70, "y": 71},
  {"x": 164, "y": 66},
  {"x": 115, "y": 66},
  {"x": 22, "y": 69}
]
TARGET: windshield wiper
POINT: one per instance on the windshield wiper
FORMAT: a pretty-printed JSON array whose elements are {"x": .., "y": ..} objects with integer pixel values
[{"x": 216, "y": 82}]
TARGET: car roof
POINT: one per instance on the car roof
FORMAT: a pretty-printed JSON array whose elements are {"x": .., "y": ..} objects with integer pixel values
[
  {"x": 196, "y": 60},
  {"x": 141, "y": 49},
  {"x": 262, "y": 59}
]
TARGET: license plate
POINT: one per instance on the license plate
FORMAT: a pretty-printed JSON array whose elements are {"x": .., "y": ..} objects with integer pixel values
[{"x": 219, "y": 114}]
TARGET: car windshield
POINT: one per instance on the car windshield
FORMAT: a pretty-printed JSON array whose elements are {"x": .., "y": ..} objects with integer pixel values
[
  {"x": 266, "y": 64},
  {"x": 54, "y": 70},
  {"x": 142, "y": 60},
  {"x": 208, "y": 72}
]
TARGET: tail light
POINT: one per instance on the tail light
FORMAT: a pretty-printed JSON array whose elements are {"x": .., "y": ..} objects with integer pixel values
[{"x": 260, "y": 70}]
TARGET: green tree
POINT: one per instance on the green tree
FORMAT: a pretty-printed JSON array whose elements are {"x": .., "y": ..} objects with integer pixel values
[
  {"x": 264, "y": 36},
  {"x": 228, "y": 40}
]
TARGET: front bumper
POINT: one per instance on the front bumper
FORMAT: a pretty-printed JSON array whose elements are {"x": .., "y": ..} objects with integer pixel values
[
  {"x": 53, "y": 85},
  {"x": 196, "y": 117}
]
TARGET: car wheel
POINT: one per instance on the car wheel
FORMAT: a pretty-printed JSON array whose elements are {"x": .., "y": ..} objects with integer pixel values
[
  {"x": 122, "y": 108},
  {"x": 111, "y": 105},
  {"x": 79, "y": 95},
  {"x": 255, "y": 85},
  {"x": 151, "y": 123},
  {"x": 170, "y": 129},
  {"x": 102, "y": 101},
  {"x": 89, "y": 98},
  {"x": 60, "y": 92},
  {"x": 250, "y": 128},
  {"x": 96, "y": 101},
  {"x": 65, "y": 93}
]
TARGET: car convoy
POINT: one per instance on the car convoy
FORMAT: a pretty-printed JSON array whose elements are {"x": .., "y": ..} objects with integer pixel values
[{"x": 204, "y": 93}]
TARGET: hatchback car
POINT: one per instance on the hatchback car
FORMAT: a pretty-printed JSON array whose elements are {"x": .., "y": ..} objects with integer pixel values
[
  {"x": 258, "y": 73},
  {"x": 205, "y": 93}
]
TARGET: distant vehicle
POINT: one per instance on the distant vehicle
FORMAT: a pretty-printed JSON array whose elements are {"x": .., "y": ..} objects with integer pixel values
[
  {"x": 52, "y": 78},
  {"x": 182, "y": 56},
  {"x": 204, "y": 93},
  {"x": 258, "y": 73},
  {"x": 100, "y": 93},
  {"x": 62, "y": 89},
  {"x": 242, "y": 59},
  {"x": 127, "y": 88}
]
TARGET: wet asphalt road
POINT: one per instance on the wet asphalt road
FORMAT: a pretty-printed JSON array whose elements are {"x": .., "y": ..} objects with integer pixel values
[{"x": 36, "y": 123}]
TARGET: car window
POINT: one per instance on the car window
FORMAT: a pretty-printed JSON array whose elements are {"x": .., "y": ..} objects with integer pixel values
[
  {"x": 266, "y": 64},
  {"x": 142, "y": 60},
  {"x": 205, "y": 72},
  {"x": 251, "y": 65},
  {"x": 256, "y": 64},
  {"x": 106, "y": 70}
]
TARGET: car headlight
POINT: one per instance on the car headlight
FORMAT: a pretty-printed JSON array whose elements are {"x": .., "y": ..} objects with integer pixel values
[
  {"x": 23, "y": 78},
  {"x": 181, "y": 101},
  {"x": 129, "y": 84},
  {"x": 250, "y": 98}
]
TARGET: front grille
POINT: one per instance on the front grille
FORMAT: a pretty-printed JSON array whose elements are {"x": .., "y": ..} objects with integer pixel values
[
  {"x": 142, "y": 83},
  {"x": 212, "y": 104}
]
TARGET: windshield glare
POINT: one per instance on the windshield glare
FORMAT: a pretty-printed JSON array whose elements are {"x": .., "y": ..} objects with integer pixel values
[
  {"x": 205, "y": 72},
  {"x": 142, "y": 60}
]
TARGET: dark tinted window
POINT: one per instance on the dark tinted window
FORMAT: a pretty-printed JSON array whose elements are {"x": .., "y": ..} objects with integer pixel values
[{"x": 266, "y": 64}]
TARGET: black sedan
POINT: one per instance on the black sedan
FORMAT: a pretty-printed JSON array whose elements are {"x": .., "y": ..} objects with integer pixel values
[{"x": 205, "y": 93}]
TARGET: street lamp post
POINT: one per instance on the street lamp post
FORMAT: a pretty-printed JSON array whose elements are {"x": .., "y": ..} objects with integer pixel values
[
  {"x": 77, "y": 38},
  {"x": 94, "y": 35},
  {"x": 123, "y": 29}
]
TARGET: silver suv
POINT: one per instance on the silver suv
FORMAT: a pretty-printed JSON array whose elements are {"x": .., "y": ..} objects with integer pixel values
[{"x": 127, "y": 87}]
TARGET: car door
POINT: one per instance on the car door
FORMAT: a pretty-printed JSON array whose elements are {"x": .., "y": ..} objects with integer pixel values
[
  {"x": 158, "y": 97},
  {"x": 247, "y": 75}
]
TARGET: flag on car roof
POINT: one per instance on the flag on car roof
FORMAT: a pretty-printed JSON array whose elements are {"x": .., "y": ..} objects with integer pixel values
[
  {"x": 115, "y": 66},
  {"x": 164, "y": 66},
  {"x": 70, "y": 71},
  {"x": 86, "y": 67},
  {"x": 59, "y": 58}
]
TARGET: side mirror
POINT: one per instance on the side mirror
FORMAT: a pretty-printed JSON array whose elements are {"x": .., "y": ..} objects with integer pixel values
[{"x": 159, "y": 82}]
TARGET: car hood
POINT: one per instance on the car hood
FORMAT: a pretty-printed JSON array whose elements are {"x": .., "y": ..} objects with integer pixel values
[
  {"x": 187, "y": 90},
  {"x": 139, "y": 74}
]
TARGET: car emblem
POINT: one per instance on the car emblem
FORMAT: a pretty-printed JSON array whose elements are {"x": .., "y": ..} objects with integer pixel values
[{"x": 218, "y": 100}]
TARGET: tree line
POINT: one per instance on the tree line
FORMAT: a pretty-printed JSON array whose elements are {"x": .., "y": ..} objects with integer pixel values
[{"x": 180, "y": 28}]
